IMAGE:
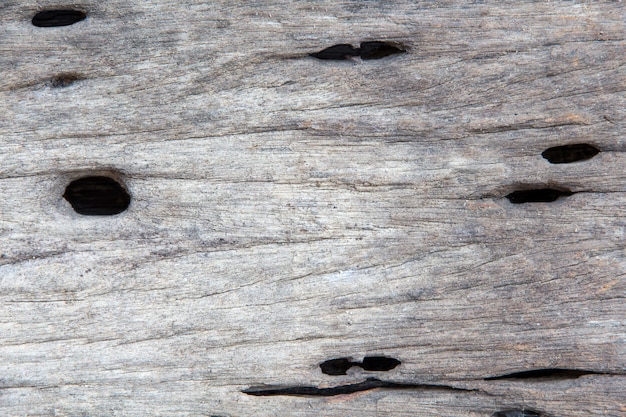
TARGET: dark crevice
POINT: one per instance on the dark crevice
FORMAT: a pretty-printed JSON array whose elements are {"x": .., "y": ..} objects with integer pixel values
[
  {"x": 368, "y": 50},
  {"x": 378, "y": 50},
  {"x": 370, "y": 383},
  {"x": 541, "y": 195},
  {"x": 340, "y": 366},
  {"x": 63, "y": 80},
  {"x": 519, "y": 413},
  {"x": 97, "y": 196},
  {"x": 524, "y": 126},
  {"x": 570, "y": 153},
  {"x": 552, "y": 373},
  {"x": 53, "y": 18},
  {"x": 337, "y": 53}
]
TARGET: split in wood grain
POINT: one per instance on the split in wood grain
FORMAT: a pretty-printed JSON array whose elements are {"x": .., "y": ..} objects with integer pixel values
[
  {"x": 537, "y": 195},
  {"x": 368, "y": 384},
  {"x": 368, "y": 50},
  {"x": 63, "y": 80},
  {"x": 551, "y": 373},
  {"x": 61, "y": 17},
  {"x": 530, "y": 125},
  {"x": 519, "y": 413}
]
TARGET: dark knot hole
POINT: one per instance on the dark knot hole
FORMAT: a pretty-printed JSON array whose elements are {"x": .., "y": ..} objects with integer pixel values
[
  {"x": 97, "y": 196},
  {"x": 53, "y": 18}
]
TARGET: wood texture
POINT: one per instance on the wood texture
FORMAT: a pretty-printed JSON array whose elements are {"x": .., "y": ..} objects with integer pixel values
[{"x": 287, "y": 210}]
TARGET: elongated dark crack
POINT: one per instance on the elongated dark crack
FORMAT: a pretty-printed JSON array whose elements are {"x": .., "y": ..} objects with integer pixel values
[
  {"x": 552, "y": 373},
  {"x": 368, "y": 384},
  {"x": 374, "y": 383}
]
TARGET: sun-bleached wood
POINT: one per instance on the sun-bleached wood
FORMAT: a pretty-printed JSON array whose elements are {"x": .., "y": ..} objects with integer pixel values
[{"x": 287, "y": 211}]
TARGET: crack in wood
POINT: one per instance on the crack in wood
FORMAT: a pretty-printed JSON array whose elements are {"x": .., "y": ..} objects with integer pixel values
[
  {"x": 551, "y": 373},
  {"x": 539, "y": 195},
  {"x": 375, "y": 383},
  {"x": 368, "y": 50},
  {"x": 63, "y": 80},
  {"x": 525, "y": 126},
  {"x": 368, "y": 384},
  {"x": 519, "y": 413}
]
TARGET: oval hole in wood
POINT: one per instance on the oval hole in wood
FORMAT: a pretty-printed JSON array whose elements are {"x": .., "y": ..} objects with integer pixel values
[
  {"x": 53, "y": 18},
  {"x": 567, "y": 154},
  {"x": 337, "y": 366},
  {"x": 541, "y": 195},
  {"x": 97, "y": 196},
  {"x": 378, "y": 50},
  {"x": 379, "y": 363}
]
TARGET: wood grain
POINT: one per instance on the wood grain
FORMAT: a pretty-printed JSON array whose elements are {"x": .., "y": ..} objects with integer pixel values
[{"x": 288, "y": 210}]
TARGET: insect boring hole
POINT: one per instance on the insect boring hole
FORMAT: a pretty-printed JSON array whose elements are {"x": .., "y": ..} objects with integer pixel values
[
  {"x": 541, "y": 195},
  {"x": 378, "y": 50},
  {"x": 61, "y": 17},
  {"x": 570, "y": 153},
  {"x": 97, "y": 196},
  {"x": 368, "y": 50},
  {"x": 379, "y": 363},
  {"x": 340, "y": 366},
  {"x": 337, "y": 366}
]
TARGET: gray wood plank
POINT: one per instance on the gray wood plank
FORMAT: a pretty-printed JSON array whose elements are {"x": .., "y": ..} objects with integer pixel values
[{"x": 288, "y": 210}]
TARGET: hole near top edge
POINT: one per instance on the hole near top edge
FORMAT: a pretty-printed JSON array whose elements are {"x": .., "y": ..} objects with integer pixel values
[{"x": 58, "y": 17}]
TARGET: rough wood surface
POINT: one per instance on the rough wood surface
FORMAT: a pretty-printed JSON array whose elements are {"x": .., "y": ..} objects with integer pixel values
[{"x": 288, "y": 210}]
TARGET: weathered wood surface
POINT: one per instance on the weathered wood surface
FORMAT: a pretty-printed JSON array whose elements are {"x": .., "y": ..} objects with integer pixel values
[{"x": 288, "y": 210}]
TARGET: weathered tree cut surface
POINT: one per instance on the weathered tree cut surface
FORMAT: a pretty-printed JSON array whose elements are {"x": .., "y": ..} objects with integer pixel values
[{"x": 383, "y": 205}]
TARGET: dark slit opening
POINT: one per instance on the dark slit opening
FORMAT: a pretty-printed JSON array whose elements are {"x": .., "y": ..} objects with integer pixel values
[
  {"x": 570, "y": 153},
  {"x": 53, "y": 18},
  {"x": 541, "y": 195}
]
